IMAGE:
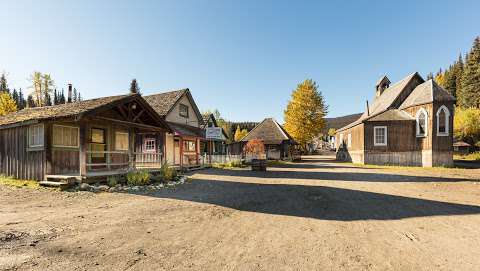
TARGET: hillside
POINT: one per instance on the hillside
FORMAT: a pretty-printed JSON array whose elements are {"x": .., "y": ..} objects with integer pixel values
[{"x": 339, "y": 122}]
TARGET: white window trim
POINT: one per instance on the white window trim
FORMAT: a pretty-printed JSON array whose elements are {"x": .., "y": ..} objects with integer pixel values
[
  {"x": 62, "y": 146},
  {"x": 29, "y": 136},
  {"x": 447, "y": 121},
  {"x": 375, "y": 143},
  {"x": 128, "y": 141},
  {"x": 417, "y": 126},
  {"x": 340, "y": 144},
  {"x": 349, "y": 140},
  {"x": 145, "y": 144}
]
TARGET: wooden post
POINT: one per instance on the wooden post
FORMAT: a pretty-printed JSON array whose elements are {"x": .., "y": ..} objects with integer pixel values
[
  {"x": 82, "y": 151},
  {"x": 180, "y": 141},
  {"x": 131, "y": 148},
  {"x": 48, "y": 149}
]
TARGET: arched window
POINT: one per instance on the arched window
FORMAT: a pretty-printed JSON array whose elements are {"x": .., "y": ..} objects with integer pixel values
[
  {"x": 422, "y": 123},
  {"x": 443, "y": 119}
]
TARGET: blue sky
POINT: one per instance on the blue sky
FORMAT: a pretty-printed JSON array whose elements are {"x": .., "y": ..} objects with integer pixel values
[{"x": 241, "y": 57}]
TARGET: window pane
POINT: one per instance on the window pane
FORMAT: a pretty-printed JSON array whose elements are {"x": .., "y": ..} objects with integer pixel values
[
  {"x": 121, "y": 141},
  {"x": 441, "y": 122}
]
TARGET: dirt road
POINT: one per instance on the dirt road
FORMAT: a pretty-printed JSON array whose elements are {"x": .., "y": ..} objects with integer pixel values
[{"x": 313, "y": 215}]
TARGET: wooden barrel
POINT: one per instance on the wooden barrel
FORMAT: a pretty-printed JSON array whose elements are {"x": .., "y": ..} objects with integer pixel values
[{"x": 259, "y": 165}]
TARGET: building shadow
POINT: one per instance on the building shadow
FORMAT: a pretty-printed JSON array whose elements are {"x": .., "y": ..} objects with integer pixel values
[
  {"x": 278, "y": 173},
  {"x": 318, "y": 202}
]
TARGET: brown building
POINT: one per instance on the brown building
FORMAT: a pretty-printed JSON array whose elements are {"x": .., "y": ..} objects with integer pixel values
[
  {"x": 279, "y": 145},
  {"x": 409, "y": 123},
  {"x": 84, "y": 139},
  {"x": 179, "y": 110}
]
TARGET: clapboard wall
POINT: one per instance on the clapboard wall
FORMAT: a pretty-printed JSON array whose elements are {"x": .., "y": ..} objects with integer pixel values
[{"x": 16, "y": 159}]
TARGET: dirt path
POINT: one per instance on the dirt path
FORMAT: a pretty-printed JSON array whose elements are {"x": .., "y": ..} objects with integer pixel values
[{"x": 314, "y": 215}]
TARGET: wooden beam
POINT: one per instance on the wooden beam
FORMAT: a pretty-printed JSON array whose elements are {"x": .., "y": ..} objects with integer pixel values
[
  {"x": 48, "y": 148},
  {"x": 138, "y": 115},
  {"x": 122, "y": 111},
  {"x": 83, "y": 150},
  {"x": 128, "y": 123}
]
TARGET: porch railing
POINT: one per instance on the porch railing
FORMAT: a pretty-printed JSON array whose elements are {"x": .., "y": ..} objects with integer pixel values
[
  {"x": 122, "y": 160},
  {"x": 207, "y": 159}
]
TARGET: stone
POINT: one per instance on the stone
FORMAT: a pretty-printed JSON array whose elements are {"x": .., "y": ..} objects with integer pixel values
[
  {"x": 84, "y": 187},
  {"x": 112, "y": 189},
  {"x": 103, "y": 188}
]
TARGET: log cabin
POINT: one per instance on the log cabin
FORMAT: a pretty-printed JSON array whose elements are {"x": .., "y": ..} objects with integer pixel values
[
  {"x": 409, "y": 123},
  {"x": 179, "y": 110},
  {"x": 279, "y": 145},
  {"x": 90, "y": 138}
]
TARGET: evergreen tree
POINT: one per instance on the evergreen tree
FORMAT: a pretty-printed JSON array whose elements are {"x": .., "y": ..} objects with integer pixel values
[
  {"x": 61, "y": 98},
  {"x": 21, "y": 100},
  {"x": 79, "y": 97},
  {"x": 47, "y": 99},
  {"x": 55, "y": 97},
  {"x": 429, "y": 76},
  {"x": 15, "y": 97},
  {"x": 305, "y": 113},
  {"x": 30, "y": 102},
  {"x": 470, "y": 82},
  {"x": 75, "y": 95},
  {"x": 3, "y": 83},
  {"x": 134, "y": 88}
]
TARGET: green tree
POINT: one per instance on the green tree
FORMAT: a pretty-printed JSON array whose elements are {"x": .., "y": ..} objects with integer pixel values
[
  {"x": 332, "y": 131},
  {"x": 3, "y": 83},
  {"x": 470, "y": 82},
  {"x": 7, "y": 104},
  {"x": 467, "y": 124},
  {"x": 305, "y": 113}
]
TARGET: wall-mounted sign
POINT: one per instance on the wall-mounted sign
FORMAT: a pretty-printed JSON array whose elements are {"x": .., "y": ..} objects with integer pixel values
[{"x": 214, "y": 133}]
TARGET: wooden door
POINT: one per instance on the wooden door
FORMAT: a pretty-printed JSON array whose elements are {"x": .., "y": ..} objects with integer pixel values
[
  {"x": 176, "y": 149},
  {"x": 98, "y": 146}
]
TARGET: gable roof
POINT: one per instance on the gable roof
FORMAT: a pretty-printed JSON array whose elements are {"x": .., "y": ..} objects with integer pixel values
[
  {"x": 427, "y": 92},
  {"x": 270, "y": 131},
  {"x": 206, "y": 118},
  {"x": 385, "y": 101},
  {"x": 62, "y": 110},
  {"x": 164, "y": 102},
  {"x": 392, "y": 114}
]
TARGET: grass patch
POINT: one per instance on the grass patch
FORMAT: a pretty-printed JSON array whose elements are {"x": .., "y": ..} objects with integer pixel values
[
  {"x": 233, "y": 164},
  {"x": 469, "y": 157},
  {"x": 10, "y": 181}
]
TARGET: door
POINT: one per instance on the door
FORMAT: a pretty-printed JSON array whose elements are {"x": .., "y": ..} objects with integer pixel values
[
  {"x": 176, "y": 150},
  {"x": 97, "y": 148}
]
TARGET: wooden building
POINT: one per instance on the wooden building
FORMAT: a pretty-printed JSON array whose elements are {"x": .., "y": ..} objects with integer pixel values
[
  {"x": 215, "y": 146},
  {"x": 97, "y": 137},
  {"x": 409, "y": 123},
  {"x": 279, "y": 145},
  {"x": 181, "y": 113}
]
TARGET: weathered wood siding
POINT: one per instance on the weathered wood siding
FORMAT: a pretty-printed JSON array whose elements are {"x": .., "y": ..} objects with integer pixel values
[
  {"x": 354, "y": 152},
  {"x": 16, "y": 159},
  {"x": 400, "y": 136}
]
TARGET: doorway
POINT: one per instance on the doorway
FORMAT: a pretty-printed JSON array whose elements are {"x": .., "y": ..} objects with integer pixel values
[
  {"x": 177, "y": 154},
  {"x": 98, "y": 148}
]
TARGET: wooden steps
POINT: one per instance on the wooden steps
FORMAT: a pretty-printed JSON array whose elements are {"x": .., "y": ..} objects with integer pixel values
[{"x": 61, "y": 181}]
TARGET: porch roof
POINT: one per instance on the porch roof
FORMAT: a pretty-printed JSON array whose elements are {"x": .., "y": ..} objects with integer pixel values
[{"x": 186, "y": 130}]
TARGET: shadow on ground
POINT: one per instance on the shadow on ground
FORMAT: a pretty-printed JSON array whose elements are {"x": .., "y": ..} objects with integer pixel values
[{"x": 319, "y": 202}]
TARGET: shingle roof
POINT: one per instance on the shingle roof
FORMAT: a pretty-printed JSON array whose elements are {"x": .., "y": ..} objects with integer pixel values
[
  {"x": 269, "y": 131},
  {"x": 59, "y": 111},
  {"x": 384, "y": 101},
  {"x": 163, "y": 102},
  {"x": 392, "y": 114},
  {"x": 427, "y": 92},
  {"x": 186, "y": 130},
  {"x": 206, "y": 118}
]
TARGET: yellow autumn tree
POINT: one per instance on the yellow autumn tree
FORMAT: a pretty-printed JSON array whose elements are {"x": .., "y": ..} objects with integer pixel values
[
  {"x": 239, "y": 134},
  {"x": 7, "y": 104},
  {"x": 305, "y": 113}
]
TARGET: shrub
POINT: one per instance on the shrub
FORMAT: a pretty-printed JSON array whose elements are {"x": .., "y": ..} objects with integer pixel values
[
  {"x": 139, "y": 177},
  {"x": 167, "y": 172},
  {"x": 112, "y": 181}
]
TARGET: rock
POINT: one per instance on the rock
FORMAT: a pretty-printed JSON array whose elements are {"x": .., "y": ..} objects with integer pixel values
[
  {"x": 112, "y": 189},
  {"x": 96, "y": 189},
  {"x": 103, "y": 188},
  {"x": 84, "y": 187}
]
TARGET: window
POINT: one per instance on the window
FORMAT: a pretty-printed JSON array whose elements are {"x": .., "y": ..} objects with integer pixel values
[
  {"x": 35, "y": 135},
  {"x": 349, "y": 140},
  {"x": 121, "y": 141},
  {"x": 183, "y": 111},
  {"x": 65, "y": 136},
  {"x": 189, "y": 145},
  {"x": 98, "y": 135},
  {"x": 149, "y": 145},
  {"x": 443, "y": 119},
  {"x": 422, "y": 123},
  {"x": 380, "y": 136}
]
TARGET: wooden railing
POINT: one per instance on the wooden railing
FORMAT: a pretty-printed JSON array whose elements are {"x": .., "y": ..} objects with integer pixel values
[
  {"x": 122, "y": 160},
  {"x": 207, "y": 159}
]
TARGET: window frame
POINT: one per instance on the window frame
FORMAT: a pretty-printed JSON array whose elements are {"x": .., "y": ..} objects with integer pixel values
[
  {"x": 128, "y": 140},
  {"x": 149, "y": 139},
  {"x": 447, "y": 121},
  {"x": 417, "y": 123},
  {"x": 349, "y": 140},
  {"x": 375, "y": 143},
  {"x": 30, "y": 128},
  {"x": 186, "y": 114},
  {"x": 63, "y": 146},
  {"x": 185, "y": 143}
]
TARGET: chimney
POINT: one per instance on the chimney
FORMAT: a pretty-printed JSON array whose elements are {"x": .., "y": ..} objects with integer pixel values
[
  {"x": 368, "y": 109},
  {"x": 382, "y": 84},
  {"x": 69, "y": 99}
]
